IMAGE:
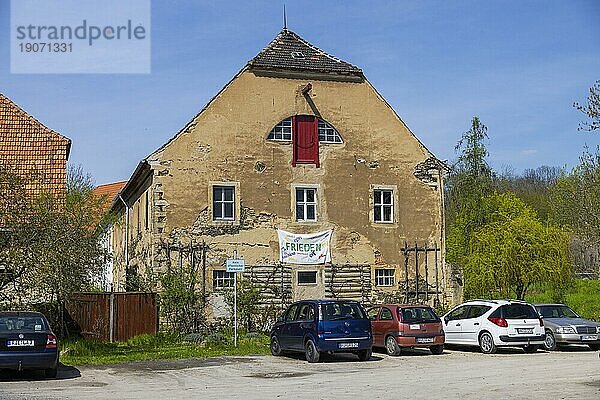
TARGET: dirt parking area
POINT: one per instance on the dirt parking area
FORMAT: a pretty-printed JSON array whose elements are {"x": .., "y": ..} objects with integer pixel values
[{"x": 510, "y": 374}]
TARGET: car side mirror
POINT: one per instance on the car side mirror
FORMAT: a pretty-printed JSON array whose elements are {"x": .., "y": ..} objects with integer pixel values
[
  {"x": 446, "y": 319},
  {"x": 281, "y": 318}
]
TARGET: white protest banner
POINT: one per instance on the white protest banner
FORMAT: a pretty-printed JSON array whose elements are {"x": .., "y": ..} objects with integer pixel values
[{"x": 312, "y": 248}]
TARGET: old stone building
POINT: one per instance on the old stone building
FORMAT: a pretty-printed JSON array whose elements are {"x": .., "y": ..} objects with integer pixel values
[{"x": 298, "y": 141}]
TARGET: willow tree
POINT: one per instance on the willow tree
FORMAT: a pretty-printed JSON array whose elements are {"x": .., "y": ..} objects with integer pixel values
[{"x": 514, "y": 251}]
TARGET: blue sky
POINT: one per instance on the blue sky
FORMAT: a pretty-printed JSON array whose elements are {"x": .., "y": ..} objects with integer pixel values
[{"x": 517, "y": 65}]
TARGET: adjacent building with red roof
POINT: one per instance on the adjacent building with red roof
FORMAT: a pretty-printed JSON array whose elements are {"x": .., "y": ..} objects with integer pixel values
[{"x": 32, "y": 150}]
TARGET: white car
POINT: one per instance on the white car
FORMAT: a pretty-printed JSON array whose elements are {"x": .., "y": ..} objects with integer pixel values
[{"x": 490, "y": 324}]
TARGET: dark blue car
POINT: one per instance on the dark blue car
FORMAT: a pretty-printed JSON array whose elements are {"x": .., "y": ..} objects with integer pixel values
[
  {"x": 27, "y": 342},
  {"x": 323, "y": 326}
]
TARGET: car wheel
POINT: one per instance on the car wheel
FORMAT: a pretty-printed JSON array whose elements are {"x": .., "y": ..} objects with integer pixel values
[
  {"x": 391, "y": 346},
  {"x": 364, "y": 355},
  {"x": 486, "y": 343},
  {"x": 275, "y": 346},
  {"x": 550, "y": 342},
  {"x": 594, "y": 347},
  {"x": 437, "y": 350},
  {"x": 51, "y": 372},
  {"x": 532, "y": 348},
  {"x": 311, "y": 352}
]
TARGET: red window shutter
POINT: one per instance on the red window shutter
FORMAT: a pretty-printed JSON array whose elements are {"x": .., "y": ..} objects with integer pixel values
[{"x": 305, "y": 140}]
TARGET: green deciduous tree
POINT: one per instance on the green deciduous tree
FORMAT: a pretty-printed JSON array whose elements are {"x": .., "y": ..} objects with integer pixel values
[
  {"x": 591, "y": 109},
  {"x": 513, "y": 251},
  {"x": 576, "y": 199},
  {"x": 50, "y": 243}
]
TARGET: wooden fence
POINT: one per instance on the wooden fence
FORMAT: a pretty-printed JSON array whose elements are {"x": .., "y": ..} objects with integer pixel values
[{"x": 113, "y": 316}]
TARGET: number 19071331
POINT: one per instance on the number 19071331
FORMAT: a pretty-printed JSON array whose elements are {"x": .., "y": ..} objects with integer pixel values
[{"x": 43, "y": 47}]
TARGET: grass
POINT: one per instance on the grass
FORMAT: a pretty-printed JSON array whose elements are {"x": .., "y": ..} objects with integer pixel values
[
  {"x": 583, "y": 296},
  {"x": 162, "y": 346}
]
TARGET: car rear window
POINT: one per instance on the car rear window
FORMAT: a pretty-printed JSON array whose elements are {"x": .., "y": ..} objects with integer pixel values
[
  {"x": 418, "y": 315},
  {"x": 22, "y": 324},
  {"x": 519, "y": 311},
  {"x": 342, "y": 310}
]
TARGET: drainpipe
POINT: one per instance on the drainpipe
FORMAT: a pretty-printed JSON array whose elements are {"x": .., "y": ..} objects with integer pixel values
[{"x": 126, "y": 232}]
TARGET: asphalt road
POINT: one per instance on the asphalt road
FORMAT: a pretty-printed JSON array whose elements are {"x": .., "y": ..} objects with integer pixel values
[{"x": 510, "y": 374}]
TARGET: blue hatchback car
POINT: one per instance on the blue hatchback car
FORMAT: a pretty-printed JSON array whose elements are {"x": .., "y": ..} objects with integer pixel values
[
  {"x": 27, "y": 342},
  {"x": 323, "y": 326}
]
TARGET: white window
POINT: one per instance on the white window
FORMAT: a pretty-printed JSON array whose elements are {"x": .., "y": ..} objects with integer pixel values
[
  {"x": 328, "y": 134},
  {"x": 384, "y": 205},
  {"x": 223, "y": 203},
  {"x": 282, "y": 131},
  {"x": 222, "y": 279},
  {"x": 307, "y": 277},
  {"x": 384, "y": 277},
  {"x": 306, "y": 204}
]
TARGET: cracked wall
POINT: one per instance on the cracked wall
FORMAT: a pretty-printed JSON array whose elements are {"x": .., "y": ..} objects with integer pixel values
[{"x": 227, "y": 143}]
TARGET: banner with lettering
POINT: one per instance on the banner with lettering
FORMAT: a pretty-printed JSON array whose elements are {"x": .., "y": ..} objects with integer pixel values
[{"x": 312, "y": 248}]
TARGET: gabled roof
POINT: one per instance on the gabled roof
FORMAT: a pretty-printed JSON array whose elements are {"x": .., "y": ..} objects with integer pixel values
[
  {"x": 110, "y": 190},
  {"x": 289, "y": 51},
  {"x": 28, "y": 146}
]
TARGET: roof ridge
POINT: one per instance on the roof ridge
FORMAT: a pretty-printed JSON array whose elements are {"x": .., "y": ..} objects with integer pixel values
[
  {"x": 31, "y": 120},
  {"x": 288, "y": 50}
]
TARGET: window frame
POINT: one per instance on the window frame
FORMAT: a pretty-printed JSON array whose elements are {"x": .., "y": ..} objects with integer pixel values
[
  {"x": 305, "y": 203},
  {"x": 236, "y": 203},
  {"x": 316, "y": 282},
  {"x": 225, "y": 277},
  {"x": 324, "y": 129},
  {"x": 384, "y": 277},
  {"x": 382, "y": 205},
  {"x": 394, "y": 212}
]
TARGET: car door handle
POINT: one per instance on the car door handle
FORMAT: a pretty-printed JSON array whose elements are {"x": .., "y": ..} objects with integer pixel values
[
  {"x": 476, "y": 323},
  {"x": 457, "y": 324}
]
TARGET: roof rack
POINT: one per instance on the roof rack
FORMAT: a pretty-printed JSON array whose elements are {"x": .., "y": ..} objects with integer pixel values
[{"x": 485, "y": 300}]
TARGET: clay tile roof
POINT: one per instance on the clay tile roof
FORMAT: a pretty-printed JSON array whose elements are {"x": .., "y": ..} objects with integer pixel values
[
  {"x": 29, "y": 147},
  {"x": 290, "y": 51},
  {"x": 110, "y": 190}
]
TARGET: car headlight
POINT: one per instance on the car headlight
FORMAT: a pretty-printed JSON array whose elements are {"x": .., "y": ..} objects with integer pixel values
[
  {"x": 598, "y": 329},
  {"x": 565, "y": 329}
]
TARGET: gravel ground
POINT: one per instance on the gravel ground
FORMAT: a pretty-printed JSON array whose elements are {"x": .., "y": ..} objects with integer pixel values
[{"x": 511, "y": 374}]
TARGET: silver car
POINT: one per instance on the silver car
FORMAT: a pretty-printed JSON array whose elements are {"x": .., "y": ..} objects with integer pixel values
[{"x": 564, "y": 326}]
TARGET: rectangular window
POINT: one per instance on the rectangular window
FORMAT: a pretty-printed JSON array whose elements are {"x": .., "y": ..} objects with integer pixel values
[
  {"x": 222, "y": 279},
  {"x": 384, "y": 205},
  {"x": 306, "y": 204},
  {"x": 307, "y": 277},
  {"x": 147, "y": 211},
  {"x": 384, "y": 277},
  {"x": 223, "y": 203}
]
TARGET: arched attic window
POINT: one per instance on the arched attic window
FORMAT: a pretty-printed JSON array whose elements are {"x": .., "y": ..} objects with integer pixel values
[{"x": 283, "y": 131}]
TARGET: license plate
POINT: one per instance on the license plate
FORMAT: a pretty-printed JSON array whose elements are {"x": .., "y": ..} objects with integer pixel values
[
  {"x": 348, "y": 345},
  {"x": 424, "y": 340},
  {"x": 20, "y": 343},
  {"x": 524, "y": 330},
  {"x": 589, "y": 337}
]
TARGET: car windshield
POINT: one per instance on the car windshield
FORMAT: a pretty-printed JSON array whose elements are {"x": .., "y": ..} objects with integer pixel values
[
  {"x": 418, "y": 315},
  {"x": 342, "y": 310},
  {"x": 560, "y": 311},
  {"x": 22, "y": 324}
]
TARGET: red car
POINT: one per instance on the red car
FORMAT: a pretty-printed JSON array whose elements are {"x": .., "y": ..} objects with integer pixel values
[{"x": 397, "y": 326}]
